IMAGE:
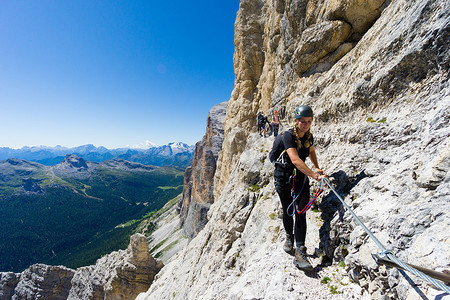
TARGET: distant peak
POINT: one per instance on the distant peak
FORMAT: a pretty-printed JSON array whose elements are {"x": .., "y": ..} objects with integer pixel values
[
  {"x": 74, "y": 161},
  {"x": 14, "y": 161}
]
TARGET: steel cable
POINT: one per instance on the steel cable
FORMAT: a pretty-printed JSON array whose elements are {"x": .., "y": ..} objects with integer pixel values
[{"x": 386, "y": 252}]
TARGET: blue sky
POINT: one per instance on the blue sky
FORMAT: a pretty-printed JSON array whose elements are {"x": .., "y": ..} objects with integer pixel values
[{"x": 112, "y": 73}]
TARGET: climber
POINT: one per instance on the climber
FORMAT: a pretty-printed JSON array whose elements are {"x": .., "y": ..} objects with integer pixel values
[
  {"x": 275, "y": 123},
  {"x": 262, "y": 120},
  {"x": 291, "y": 181}
]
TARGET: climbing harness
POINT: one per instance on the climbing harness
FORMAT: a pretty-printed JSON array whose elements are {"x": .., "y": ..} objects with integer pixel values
[
  {"x": 294, "y": 197},
  {"x": 388, "y": 253}
]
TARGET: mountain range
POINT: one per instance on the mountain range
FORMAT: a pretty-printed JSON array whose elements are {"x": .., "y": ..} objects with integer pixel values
[{"x": 173, "y": 154}]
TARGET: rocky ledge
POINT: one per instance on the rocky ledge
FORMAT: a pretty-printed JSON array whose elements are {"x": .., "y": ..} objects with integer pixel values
[{"x": 120, "y": 275}]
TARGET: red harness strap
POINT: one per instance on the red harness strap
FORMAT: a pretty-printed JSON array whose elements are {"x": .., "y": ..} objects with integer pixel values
[{"x": 308, "y": 206}]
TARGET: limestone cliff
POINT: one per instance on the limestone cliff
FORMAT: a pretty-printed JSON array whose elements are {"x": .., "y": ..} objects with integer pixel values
[
  {"x": 120, "y": 275},
  {"x": 279, "y": 45},
  {"x": 376, "y": 75},
  {"x": 199, "y": 177},
  {"x": 37, "y": 282}
]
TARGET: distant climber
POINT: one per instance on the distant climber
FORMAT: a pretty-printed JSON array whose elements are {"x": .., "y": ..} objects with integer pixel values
[
  {"x": 275, "y": 123},
  {"x": 292, "y": 182},
  {"x": 262, "y": 120}
]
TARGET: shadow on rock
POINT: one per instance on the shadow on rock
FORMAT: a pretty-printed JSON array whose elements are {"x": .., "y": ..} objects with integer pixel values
[{"x": 330, "y": 206}]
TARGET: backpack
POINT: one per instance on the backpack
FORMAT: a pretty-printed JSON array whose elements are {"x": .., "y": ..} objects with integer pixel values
[
  {"x": 276, "y": 154},
  {"x": 260, "y": 119}
]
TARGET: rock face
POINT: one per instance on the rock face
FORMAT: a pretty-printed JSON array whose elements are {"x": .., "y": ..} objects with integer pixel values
[
  {"x": 37, "y": 282},
  {"x": 74, "y": 166},
  {"x": 360, "y": 14},
  {"x": 168, "y": 238},
  {"x": 279, "y": 45},
  {"x": 317, "y": 41},
  {"x": 377, "y": 76},
  {"x": 119, "y": 275},
  {"x": 239, "y": 253},
  {"x": 199, "y": 177}
]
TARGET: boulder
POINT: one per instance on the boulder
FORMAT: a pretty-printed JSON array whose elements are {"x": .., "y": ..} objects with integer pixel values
[{"x": 319, "y": 40}]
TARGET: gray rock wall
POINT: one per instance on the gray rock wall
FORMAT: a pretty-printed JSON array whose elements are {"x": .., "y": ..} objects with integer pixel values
[
  {"x": 381, "y": 98},
  {"x": 279, "y": 45},
  {"x": 119, "y": 275},
  {"x": 199, "y": 177}
]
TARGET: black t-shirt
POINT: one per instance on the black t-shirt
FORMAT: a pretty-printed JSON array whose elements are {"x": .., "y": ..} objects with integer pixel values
[{"x": 289, "y": 140}]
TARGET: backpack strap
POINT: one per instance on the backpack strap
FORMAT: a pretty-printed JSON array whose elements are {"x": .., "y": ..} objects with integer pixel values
[{"x": 281, "y": 156}]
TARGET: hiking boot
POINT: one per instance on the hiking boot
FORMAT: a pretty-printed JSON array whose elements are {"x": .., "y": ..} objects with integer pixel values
[
  {"x": 301, "y": 259},
  {"x": 288, "y": 246}
]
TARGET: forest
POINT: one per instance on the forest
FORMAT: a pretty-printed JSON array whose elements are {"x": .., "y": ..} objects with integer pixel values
[{"x": 73, "y": 221}]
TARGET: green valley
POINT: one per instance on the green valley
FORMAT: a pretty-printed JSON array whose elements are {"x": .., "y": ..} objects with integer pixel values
[{"x": 74, "y": 212}]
